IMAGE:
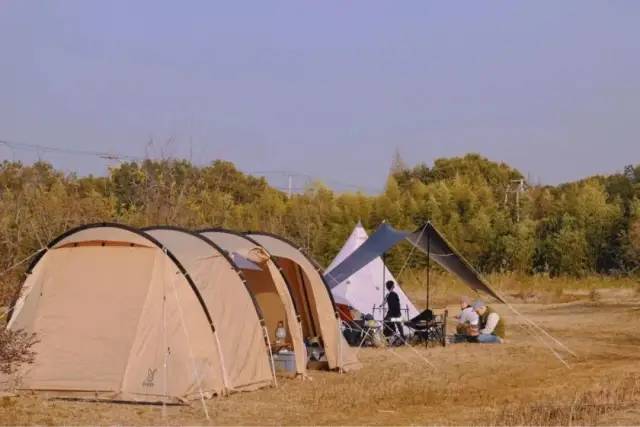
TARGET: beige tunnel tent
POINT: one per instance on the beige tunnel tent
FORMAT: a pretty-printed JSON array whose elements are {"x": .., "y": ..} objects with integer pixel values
[
  {"x": 268, "y": 287},
  {"x": 118, "y": 317},
  {"x": 313, "y": 298},
  {"x": 233, "y": 310}
]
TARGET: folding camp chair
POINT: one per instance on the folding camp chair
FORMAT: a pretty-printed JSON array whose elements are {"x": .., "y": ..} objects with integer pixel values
[
  {"x": 429, "y": 328},
  {"x": 363, "y": 333}
]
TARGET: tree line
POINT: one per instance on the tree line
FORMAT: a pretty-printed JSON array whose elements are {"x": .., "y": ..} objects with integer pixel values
[{"x": 487, "y": 210}]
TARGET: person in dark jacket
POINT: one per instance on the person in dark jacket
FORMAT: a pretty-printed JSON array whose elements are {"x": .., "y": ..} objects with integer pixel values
[{"x": 393, "y": 318}]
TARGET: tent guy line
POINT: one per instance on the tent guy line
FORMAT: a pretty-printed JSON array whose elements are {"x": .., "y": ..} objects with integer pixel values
[
  {"x": 196, "y": 377},
  {"x": 413, "y": 248}
]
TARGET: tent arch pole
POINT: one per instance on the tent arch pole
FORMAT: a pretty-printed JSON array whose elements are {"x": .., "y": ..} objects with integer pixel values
[
  {"x": 237, "y": 270},
  {"x": 341, "y": 364},
  {"x": 249, "y": 239},
  {"x": 220, "y": 250},
  {"x": 165, "y": 348},
  {"x": 194, "y": 370},
  {"x": 313, "y": 262},
  {"x": 282, "y": 275}
]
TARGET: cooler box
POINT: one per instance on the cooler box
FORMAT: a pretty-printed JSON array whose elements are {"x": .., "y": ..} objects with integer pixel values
[{"x": 285, "y": 362}]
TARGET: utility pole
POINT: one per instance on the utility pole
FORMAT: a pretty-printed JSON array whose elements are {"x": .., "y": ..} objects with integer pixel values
[
  {"x": 290, "y": 185},
  {"x": 519, "y": 189}
]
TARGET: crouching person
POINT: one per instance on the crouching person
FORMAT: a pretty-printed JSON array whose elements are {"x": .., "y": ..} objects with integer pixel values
[
  {"x": 467, "y": 327},
  {"x": 492, "y": 330}
]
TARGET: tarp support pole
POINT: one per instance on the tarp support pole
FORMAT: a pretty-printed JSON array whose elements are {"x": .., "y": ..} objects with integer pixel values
[
  {"x": 428, "y": 268},
  {"x": 384, "y": 284}
]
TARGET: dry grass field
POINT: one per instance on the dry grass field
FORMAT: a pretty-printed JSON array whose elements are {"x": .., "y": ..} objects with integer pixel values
[{"x": 516, "y": 383}]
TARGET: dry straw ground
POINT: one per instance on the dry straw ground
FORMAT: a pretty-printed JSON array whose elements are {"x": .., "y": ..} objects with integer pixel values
[{"x": 512, "y": 384}]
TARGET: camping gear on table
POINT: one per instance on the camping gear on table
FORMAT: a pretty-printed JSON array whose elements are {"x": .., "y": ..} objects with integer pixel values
[
  {"x": 428, "y": 328},
  {"x": 426, "y": 239}
]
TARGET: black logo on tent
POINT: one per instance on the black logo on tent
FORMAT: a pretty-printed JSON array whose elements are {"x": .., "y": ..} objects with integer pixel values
[{"x": 149, "y": 381}]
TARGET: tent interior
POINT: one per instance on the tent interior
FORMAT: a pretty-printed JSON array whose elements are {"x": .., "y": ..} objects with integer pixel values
[
  {"x": 261, "y": 285},
  {"x": 313, "y": 299},
  {"x": 268, "y": 287},
  {"x": 302, "y": 296}
]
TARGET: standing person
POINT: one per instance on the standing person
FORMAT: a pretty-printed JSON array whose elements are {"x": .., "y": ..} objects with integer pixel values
[
  {"x": 393, "y": 318},
  {"x": 492, "y": 330},
  {"x": 467, "y": 327}
]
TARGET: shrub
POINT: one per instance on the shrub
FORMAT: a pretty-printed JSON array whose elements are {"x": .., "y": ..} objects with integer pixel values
[{"x": 15, "y": 349}]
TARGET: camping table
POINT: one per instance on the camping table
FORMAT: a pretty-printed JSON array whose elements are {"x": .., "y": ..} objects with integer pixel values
[{"x": 432, "y": 331}]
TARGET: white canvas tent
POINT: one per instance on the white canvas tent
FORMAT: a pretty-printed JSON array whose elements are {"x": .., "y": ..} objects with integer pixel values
[{"x": 364, "y": 289}]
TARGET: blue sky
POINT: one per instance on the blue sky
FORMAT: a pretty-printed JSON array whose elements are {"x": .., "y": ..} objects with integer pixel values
[{"x": 328, "y": 89}]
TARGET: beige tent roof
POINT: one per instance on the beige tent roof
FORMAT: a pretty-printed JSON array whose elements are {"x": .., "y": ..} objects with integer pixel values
[
  {"x": 269, "y": 288},
  {"x": 302, "y": 270},
  {"x": 235, "y": 315},
  {"x": 117, "y": 318},
  {"x": 103, "y": 234}
]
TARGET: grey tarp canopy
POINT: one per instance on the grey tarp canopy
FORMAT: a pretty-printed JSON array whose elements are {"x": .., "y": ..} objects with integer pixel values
[{"x": 427, "y": 239}]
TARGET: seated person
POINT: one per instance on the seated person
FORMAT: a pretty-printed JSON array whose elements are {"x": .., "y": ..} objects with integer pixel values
[
  {"x": 467, "y": 327},
  {"x": 393, "y": 318},
  {"x": 492, "y": 329}
]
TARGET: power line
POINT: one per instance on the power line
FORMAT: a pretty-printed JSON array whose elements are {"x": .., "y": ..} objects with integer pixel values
[
  {"x": 293, "y": 174},
  {"x": 111, "y": 155},
  {"x": 68, "y": 151}
]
